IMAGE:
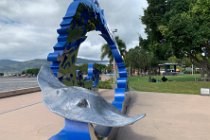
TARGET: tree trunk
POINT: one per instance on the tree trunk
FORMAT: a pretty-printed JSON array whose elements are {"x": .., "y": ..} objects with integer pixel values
[
  {"x": 208, "y": 75},
  {"x": 131, "y": 71},
  {"x": 204, "y": 64},
  {"x": 138, "y": 72},
  {"x": 202, "y": 74}
]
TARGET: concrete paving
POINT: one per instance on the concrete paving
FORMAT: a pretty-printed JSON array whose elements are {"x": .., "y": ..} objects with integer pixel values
[
  {"x": 169, "y": 117},
  {"x": 25, "y": 117}
]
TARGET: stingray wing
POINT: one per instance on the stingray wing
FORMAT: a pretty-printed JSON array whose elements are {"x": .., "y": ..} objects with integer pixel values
[{"x": 79, "y": 104}]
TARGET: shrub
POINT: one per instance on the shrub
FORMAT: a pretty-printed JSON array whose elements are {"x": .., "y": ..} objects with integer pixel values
[{"x": 105, "y": 84}]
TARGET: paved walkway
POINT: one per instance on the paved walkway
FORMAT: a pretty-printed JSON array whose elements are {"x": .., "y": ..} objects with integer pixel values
[
  {"x": 169, "y": 117},
  {"x": 25, "y": 118}
]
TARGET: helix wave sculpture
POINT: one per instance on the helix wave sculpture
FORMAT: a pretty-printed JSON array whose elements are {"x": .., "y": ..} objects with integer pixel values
[{"x": 65, "y": 94}]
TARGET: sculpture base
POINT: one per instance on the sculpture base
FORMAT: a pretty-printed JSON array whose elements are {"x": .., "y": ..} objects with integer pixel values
[{"x": 73, "y": 131}]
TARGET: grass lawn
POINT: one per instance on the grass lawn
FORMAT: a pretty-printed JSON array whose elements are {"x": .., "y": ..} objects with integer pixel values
[{"x": 180, "y": 84}]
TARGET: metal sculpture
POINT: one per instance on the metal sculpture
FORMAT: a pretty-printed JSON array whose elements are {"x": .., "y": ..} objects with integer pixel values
[
  {"x": 93, "y": 74},
  {"x": 83, "y": 16},
  {"x": 77, "y": 105}
]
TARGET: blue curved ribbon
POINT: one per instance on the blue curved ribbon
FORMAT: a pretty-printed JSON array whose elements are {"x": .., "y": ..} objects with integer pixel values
[{"x": 74, "y": 129}]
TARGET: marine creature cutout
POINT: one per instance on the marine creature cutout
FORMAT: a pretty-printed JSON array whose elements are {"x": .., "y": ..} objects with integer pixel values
[{"x": 80, "y": 104}]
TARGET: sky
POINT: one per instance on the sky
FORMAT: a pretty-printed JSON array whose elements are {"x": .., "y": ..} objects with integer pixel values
[{"x": 28, "y": 27}]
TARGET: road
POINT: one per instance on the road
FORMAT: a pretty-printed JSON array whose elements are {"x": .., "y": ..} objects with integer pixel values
[{"x": 13, "y": 83}]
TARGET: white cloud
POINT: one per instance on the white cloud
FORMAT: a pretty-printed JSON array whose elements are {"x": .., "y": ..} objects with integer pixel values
[
  {"x": 28, "y": 27},
  {"x": 91, "y": 48}
]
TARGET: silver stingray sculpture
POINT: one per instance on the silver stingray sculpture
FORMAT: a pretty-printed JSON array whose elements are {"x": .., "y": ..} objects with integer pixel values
[{"x": 79, "y": 104}]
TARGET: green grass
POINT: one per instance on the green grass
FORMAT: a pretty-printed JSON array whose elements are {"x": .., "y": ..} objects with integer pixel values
[
  {"x": 181, "y": 84},
  {"x": 108, "y": 84},
  {"x": 105, "y": 85}
]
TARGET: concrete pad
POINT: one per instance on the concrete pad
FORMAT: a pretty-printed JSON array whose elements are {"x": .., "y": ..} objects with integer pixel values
[
  {"x": 33, "y": 121},
  {"x": 169, "y": 117},
  {"x": 7, "y": 104},
  {"x": 107, "y": 94},
  {"x": 25, "y": 117}
]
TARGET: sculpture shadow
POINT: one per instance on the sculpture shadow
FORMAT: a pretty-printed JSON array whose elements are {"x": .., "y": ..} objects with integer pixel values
[{"x": 126, "y": 133}]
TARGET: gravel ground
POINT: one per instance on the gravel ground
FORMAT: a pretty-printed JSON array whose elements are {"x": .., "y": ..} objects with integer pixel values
[{"x": 8, "y": 84}]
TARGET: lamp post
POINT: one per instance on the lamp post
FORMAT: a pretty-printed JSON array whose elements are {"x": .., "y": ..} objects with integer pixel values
[{"x": 114, "y": 63}]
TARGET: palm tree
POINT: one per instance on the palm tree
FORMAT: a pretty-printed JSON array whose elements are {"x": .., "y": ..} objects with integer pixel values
[{"x": 106, "y": 51}]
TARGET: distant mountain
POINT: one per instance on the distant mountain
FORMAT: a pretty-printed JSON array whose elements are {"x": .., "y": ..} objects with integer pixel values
[
  {"x": 85, "y": 61},
  {"x": 10, "y": 66}
]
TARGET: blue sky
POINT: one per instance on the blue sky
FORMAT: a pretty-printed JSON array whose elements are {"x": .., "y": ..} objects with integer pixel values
[{"x": 28, "y": 27}]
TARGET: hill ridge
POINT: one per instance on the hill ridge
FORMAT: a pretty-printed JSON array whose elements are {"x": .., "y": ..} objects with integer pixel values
[{"x": 13, "y": 66}]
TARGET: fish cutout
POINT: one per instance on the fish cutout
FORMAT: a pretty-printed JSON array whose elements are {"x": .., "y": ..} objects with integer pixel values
[{"x": 79, "y": 104}]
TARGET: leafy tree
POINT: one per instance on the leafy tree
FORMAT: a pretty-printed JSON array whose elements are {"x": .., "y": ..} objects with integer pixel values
[
  {"x": 132, "y": 59},
  {"x": 106, "y": 51},
  {"x": 139, "y": 59},
  {"x": 188, "y": 31},
  {"x": 83, "y": 68},
  {"x": 1, "y": 74},
  {"x": 109, "y": 68},
  {"x": 179, "y": 28},
  {"x": 153, "y": 18},
  {"x": 156, "y": 18},
  {"x": 186, "y": 62},
  {"x": 100, "y": 67},
  {"x": 33, "y": 71}
]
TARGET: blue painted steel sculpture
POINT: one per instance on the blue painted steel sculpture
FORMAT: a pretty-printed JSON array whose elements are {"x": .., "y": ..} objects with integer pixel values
[
  {"x": 81, "y": 17},
  {"x": 93, "y": 74},
  {"x": 81, "y": 105}
]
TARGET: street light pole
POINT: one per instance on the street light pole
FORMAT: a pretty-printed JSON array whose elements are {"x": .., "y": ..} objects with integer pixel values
[{"x": 114, "y": 63}]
